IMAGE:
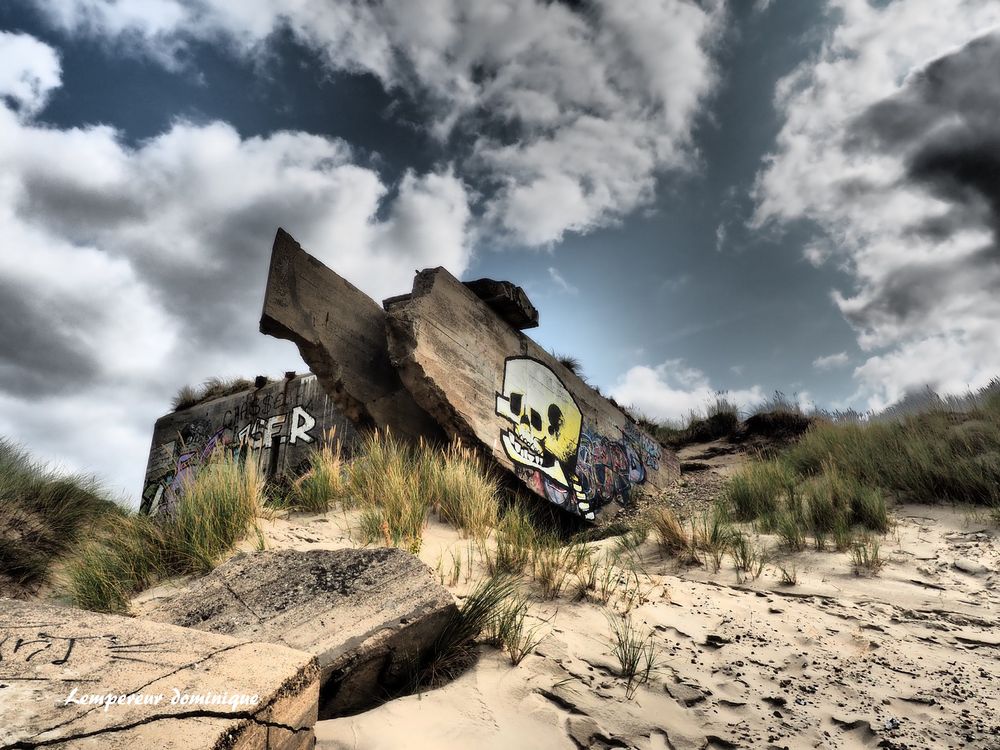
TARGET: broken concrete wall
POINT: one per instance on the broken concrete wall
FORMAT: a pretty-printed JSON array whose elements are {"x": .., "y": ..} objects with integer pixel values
[
  {"x": 489, "y": 384},
  {"x": 276, "y": 426},
  {"x": 340, "y": 333},
  {"x": 75, "y": 679},
  {"x": 459, "y": 361}
]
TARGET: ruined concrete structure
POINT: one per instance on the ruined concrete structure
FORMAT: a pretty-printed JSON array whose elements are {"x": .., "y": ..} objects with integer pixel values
[
  {"x": 276, "y": 425},
  {"x": 450, "y": 360}
]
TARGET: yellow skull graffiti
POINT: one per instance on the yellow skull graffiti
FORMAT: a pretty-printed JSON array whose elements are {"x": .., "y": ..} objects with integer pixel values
[{"x": 545, "y": 422}]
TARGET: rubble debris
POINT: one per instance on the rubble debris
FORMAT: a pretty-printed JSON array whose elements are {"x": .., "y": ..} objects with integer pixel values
[
  {"x": 443, "y": 355},
  {"x": 368, "y": 615}
]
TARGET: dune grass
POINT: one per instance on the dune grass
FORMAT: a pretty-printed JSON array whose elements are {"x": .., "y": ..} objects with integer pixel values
[
  {"x": 322, "y": 484},
  {"x": 453, "y": 649},
  {"x": 931, "y": 457},
  {"x": 757, "y": 489},
  {"x": 634, "y": 649},
  {"x": 397, "y": 485},
  {"x": 188, "y": 396},
  {"x": 836, "y": 481},
  {"x": 43, "y": 514},
  {"x": 216, "y": 510}
]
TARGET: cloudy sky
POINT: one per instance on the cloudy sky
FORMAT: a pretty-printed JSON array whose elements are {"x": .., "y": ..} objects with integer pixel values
[{"x": 697, "y": 195}]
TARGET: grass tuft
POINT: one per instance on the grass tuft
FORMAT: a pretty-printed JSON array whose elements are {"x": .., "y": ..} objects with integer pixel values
[
  {"x": 756, "y": 489},
  {"x": 215, "y": 511},
  {"x": 453, "y": 650},
  {"x": 866, "y": 558},
  {"x": 43, "y": 515},
  {"x": 324, "y": 483},
  {"x": 508, "y": 628},
  {"x": 635, "y": 651}
]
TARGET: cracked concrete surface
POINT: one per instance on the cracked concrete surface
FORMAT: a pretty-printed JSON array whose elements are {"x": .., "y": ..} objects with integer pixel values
[
  {"x": 56, "y": 663},
  {"x": 367, "y": 615}
]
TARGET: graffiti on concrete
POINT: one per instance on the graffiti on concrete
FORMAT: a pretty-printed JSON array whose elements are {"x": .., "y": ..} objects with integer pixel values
[
  {"x": 274, "y": 426},
  {"x": 555, "y": 453}
]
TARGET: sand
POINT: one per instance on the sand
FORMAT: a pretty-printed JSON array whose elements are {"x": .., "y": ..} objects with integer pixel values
[{"x": 907, "y": 659}]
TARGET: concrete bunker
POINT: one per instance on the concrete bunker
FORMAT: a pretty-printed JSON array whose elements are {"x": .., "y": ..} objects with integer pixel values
[{"x": 450, "y": 360}]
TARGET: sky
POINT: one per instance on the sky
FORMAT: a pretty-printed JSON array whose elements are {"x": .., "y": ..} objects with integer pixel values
[{"x": 699, "y": 196}]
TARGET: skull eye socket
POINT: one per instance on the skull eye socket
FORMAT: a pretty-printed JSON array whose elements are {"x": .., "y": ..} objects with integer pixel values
[
  {"x": 555, "y": 420},
  {"x": 515, "y": 403},
  {"x": 536, "y": 420}
]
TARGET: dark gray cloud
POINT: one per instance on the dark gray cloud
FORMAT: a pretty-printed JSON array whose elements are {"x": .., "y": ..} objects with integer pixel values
[
  {"x": 943, "y": 124},
  {"x": 896, "y": 162},
  {"x": 40, "y": 356}
]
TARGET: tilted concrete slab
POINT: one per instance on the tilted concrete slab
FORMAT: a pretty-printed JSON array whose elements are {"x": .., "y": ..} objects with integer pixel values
[
  {"x": 505, "y": 298},
  {"x": 491, "y": 385},
  {"x": 340, "y": 333},
  {"x": 368, "y": 615},
  {"x": 55, "y": 662},
  {"x": 441, "y": 354}
]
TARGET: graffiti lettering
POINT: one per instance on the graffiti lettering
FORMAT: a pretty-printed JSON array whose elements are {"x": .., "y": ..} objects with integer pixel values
[{"x": 178, "y": 461}]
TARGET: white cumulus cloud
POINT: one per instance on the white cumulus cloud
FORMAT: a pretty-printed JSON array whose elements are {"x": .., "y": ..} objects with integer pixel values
[
  {"x": 572, "y": 113},
  {"x": 673, "y": 390},
  {"x": 29, "y": 70},
  {"x": 888, "y": 145},
  {"x": 831, "y": 361}
]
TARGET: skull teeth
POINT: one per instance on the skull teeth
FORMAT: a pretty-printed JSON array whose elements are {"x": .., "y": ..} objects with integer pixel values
[{"x": 520, "y": 451}]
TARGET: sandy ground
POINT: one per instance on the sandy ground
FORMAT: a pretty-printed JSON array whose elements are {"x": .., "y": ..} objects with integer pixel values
[{"x": 908, "y": 659}]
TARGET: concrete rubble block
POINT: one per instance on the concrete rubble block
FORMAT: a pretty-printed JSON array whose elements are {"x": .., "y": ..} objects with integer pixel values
[
  {"x": 366, "y": 614},
  {"x": 505, "y": 298},
  {"x": 490, "y": 385},
  {"x": 188, "y": 689},
  {"x": 340, "y": 333}
]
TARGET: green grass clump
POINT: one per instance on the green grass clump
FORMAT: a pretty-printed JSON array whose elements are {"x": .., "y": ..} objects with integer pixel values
[
  {"x": 837, "y": 501},
  {"x": 924, "y": 457},
  {"x": 397, "y": 485},
  {"x": 516, "y": 538},
  {"x": 106, "y": 572},
  {"x": 749, "y": 558},
  {"x": 464, "y": 491},
  {"x": 453, "y": 649},
  {"x": 43, "y": 515},
  {"x": 324, "y": 482},
  {"x": 712, "y": 534},
  {"x": 756, "y": 490},
  {"x": 508, "y": 628},
  {"x": 215, "y": 511},
  {"x": 635, "y": 651},
  {"x": 866, "y": 557}
]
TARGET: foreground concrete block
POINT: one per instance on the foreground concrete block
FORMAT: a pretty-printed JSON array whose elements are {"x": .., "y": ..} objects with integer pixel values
[
  {"x": 366, "y": 614},
  {"x": 340, "y": 333},
  {"x": 489, "y": 384},
  {"x": 56, "y": 662}
]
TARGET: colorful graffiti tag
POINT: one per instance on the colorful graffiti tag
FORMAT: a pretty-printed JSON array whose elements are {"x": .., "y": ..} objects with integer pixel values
[
  {"x": 273, "y": 426},
  {"x": 556, "y": 454}
]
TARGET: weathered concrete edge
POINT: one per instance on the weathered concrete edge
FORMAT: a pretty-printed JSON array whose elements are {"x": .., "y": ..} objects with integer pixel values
[{"x": 394, "y": 398}]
